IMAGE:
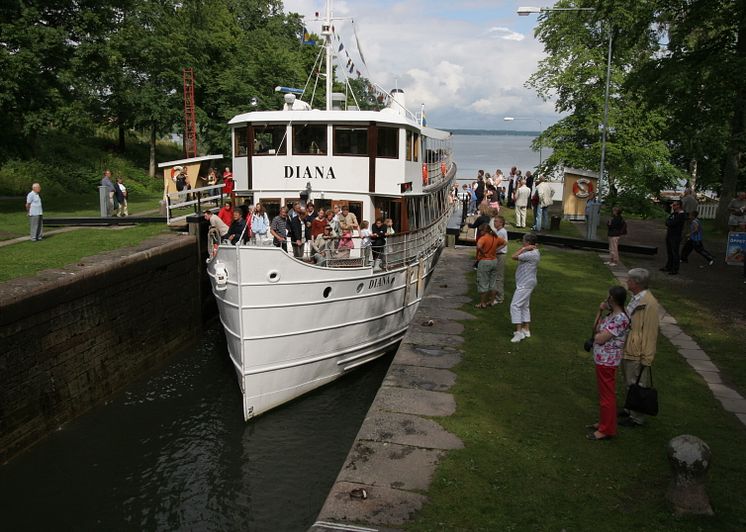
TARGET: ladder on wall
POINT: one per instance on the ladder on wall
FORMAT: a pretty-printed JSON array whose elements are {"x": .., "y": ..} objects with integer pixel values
[{"x": 190, "y": 119}]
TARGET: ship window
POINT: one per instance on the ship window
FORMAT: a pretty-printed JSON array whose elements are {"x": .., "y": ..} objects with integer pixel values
[
  {"x": 388, "y": 142},
  {"x": 350, "y": 140},
  {"x": 270, "y": 140},
  {"x": 241, "y": 136},
  {"x": 309, "y": 139},
  {"x": 413, "y": 146}
]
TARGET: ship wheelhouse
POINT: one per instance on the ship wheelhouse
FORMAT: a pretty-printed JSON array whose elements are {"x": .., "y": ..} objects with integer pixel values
[{"x": 382, "y": 164}]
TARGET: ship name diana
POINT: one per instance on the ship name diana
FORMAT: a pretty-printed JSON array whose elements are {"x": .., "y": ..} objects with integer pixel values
[
  {"x": 381, "y": 281},
  {"x": 309, "y": 172}
]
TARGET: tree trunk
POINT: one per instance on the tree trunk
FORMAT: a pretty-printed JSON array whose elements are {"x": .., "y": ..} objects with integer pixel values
[
  {"x": 120, "y": 144},
  {"x": 693, "y": 164},
  {"x": 151, "y": 171},
  {"x": 737, "y": 130}
]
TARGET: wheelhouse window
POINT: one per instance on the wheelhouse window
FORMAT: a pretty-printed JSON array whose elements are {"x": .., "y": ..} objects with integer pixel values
[
  {"x": 350, "y": 140},
  {"x": 413, "y": 146},
  {"x": 309, "y": 139},
  {"x": 241, "y": 139},
  {"x": 388, "y": 142},
  {"x": 270, "y": 140}
]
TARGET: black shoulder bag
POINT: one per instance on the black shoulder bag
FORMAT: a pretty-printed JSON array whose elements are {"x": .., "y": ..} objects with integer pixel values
[{"x": 641, "y": 399}]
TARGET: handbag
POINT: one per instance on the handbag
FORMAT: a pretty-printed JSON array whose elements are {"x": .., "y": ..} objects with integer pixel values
[
  {"x": 588, "y": 344},
  {"x": 641, "y": 399}
]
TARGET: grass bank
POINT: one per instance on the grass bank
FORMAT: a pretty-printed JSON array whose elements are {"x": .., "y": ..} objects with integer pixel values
[
  {"x": 521, "y": 413},
  {"x": 14, "y": 222},
  {"x": 54, "y": 251}
]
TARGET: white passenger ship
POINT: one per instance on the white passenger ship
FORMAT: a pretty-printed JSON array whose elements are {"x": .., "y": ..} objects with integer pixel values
[{"x": 291, "y": 325}]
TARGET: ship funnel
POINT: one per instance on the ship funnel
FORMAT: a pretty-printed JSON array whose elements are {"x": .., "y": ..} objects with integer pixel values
[{"x": 398, "y": 102}]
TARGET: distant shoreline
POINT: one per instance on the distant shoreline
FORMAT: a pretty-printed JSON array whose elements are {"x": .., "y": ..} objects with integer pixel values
[{"x": 485, "y": 132}]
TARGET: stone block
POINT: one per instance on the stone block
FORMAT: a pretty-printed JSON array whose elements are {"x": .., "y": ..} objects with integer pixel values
[
  {"x": 407, "y": 429},
  {"x": 737, "y": 406},
  {"x": 431, "y": 357},
  {"x": 403, "y": 376},
  {"x": 720, "y": 390},
  {"x": 694, "y": 354},
  {"x": 419, "y": 402},
  {"x": 390, "y": 465},
  {"x": 382, "y": 507},
  {"x": 419, "y": 337},
  {"x": 711, "y": 377},
  {"x": 702, "y": 365}
]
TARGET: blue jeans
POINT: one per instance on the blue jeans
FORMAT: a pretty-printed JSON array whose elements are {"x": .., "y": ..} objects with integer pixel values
[{"x": 541, "y": 217}]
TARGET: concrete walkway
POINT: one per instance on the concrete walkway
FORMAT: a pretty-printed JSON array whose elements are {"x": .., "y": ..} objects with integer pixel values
[
  {"x": 694, "y": 355},
  {"x": 397, "y": 449}
]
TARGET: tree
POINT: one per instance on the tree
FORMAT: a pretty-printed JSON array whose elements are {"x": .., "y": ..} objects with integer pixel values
[
  {"x": 574, "y": 75},
  {"x": 700, "y": 80}
]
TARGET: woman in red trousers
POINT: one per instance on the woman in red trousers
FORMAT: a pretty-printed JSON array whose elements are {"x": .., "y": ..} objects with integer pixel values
[{"x": 612, "y": 326}]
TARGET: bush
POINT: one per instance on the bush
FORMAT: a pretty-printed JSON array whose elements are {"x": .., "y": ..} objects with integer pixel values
[{"x": 66, "y": 164}]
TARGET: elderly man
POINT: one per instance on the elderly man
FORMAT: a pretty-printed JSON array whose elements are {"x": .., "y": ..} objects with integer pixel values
[
  {"x": 112, "y": 204},
  {"x": 217, "y": 223},
  {"x": 639, "y": 351},
  {"x": 35, "y": 212},
  {"x": 546, "y": 197}
]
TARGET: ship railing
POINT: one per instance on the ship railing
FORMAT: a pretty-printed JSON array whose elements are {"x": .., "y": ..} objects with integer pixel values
[
  {"x": 400, "y": 249},
  {"x": 180, "y": 205}
]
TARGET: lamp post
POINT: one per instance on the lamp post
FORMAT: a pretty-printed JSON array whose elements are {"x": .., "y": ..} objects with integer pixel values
[
  {"x": 541, "y": 127},
  {"x": 524, "y": 12}
]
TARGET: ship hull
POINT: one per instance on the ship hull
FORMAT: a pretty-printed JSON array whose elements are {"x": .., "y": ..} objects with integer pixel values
[{"x": 292, "y": 327}]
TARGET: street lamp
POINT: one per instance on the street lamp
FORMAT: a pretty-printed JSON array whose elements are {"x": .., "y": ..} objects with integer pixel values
[
  {"x": 524, "y": 12},
  {"x": 541, "y": 127}
]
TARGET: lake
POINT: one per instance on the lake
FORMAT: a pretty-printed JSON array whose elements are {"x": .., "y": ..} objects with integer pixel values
[{"x": 489, "y": 152}]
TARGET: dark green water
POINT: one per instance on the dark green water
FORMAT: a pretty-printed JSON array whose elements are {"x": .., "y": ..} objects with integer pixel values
[{"x": 173, "y": 453}]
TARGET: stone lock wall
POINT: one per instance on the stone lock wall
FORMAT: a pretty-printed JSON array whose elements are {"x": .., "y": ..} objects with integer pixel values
[{"x": 71, "y": 338}]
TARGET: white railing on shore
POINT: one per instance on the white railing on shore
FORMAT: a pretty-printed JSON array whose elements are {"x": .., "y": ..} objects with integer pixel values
[
  {"x": 194, "y": 198},
  {"x": 707, "y": 211}
]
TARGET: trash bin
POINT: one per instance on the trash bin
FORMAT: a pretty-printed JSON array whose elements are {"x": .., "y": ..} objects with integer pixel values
[{"x": 554, "y": 223}]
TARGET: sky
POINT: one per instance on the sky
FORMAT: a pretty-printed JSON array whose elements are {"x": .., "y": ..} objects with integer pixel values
[{"x": 466, "y": 60}]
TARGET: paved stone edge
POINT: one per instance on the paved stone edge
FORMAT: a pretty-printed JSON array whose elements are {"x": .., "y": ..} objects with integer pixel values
[{"x": 397, "y": 438}]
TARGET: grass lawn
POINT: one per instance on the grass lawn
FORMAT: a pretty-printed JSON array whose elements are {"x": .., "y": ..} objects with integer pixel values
[
  {"x": 54, "y": 251},
  {"x": 14, "y": 222},
  {"x": 521, "y": 413}
]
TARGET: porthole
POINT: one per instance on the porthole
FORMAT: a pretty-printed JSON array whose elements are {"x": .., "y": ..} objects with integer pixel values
[
  {"x": 327, "y": 291},
  {"x": 273, "y": 276},
  {"x": 359, "y": 288}
]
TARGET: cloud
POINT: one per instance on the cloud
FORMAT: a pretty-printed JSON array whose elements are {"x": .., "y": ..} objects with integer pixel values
[
  {"x": 506, "y": 33},
  {"x": 467, "y": 62}
]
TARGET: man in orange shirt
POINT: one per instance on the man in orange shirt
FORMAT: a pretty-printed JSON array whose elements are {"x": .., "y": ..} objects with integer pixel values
[{"x": 487, "y": 245}]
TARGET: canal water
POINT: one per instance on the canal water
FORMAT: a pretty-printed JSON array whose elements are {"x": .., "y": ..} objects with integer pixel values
[{"x": 172, "y": 452}]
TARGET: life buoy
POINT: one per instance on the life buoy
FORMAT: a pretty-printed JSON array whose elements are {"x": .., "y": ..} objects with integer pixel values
[
  {"x": 582, "y": 188},
  {"x": 425, "y": 176}
]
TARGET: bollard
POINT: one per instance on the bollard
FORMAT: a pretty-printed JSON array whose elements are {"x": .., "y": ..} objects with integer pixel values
[
  {"x": 103, "y": 201},
  {"x": 690, "y": 460}
]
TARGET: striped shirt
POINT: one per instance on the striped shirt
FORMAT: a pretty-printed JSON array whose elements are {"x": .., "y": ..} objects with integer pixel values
[{"x": 525, "y": 273}]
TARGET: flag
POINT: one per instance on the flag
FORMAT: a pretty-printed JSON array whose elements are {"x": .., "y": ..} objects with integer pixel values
[
  {"x": 358, "y": 73},
  {"x": 307, "y": 38},
  {"x": 341, "y": 47}
]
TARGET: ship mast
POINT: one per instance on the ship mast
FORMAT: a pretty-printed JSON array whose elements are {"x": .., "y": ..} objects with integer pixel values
[{"x": 326, "y": 32}]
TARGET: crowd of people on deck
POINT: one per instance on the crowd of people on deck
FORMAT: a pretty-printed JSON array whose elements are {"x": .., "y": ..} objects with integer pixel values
[{"x": 316, "y": 236}]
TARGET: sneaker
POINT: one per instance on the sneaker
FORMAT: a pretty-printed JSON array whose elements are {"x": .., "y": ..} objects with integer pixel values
[
  {"x": 517, "y": 337},
  {"x": 628, "y": 422},
  {"x": 526, "y": 334},
  {"x": 711, "y": 263}
]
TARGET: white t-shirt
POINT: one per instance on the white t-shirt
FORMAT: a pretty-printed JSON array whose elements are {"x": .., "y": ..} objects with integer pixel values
[{"x": 34, "y": 201}]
